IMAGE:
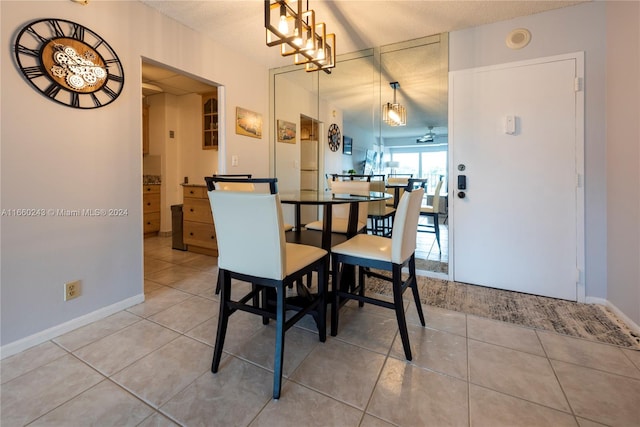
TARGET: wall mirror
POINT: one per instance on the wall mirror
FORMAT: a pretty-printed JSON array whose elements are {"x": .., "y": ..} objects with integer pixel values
[{"x": 352, "y": 97}]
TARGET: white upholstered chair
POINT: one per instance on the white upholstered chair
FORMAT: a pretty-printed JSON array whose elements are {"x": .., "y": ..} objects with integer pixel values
[
  {"x": 367, "y": 251},
  {"x": 340, "y": 216},
  {"x": 432, "y": 211},
  {"x": 261, "y": 256}
]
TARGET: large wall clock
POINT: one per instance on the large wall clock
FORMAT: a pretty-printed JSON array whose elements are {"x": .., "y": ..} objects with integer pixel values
[
  {"x": 334, "y": 137},
  {"x": 68, "y": 63}
]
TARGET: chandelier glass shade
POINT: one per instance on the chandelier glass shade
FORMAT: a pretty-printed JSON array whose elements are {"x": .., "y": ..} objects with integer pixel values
[
  {"x": 394, "y": 114},
  {"x": 298, "y": 34}
]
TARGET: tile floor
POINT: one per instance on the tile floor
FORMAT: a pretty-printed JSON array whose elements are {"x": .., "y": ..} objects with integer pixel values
[{"x": 149, "y": 366}]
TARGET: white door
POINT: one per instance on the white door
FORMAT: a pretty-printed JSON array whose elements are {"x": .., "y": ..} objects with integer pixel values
[{"x": 516, "y": 131}]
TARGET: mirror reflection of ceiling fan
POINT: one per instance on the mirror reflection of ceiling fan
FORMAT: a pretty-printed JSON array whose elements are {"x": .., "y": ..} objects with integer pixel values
[{"x": 428, "y": 137}]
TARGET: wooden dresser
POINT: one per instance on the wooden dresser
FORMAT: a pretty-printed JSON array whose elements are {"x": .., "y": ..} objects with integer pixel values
[
  {"x": 151, "y": 209},
  {"x": 198, "y": 232}
]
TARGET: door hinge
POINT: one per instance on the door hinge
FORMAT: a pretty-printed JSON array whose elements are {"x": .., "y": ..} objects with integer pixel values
[
  {"x": 579, "y": 180},
  {"x": 578, "y": 276},
  {"x": 577, "y": 84}
]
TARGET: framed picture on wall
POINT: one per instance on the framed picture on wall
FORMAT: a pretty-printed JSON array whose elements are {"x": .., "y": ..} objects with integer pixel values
[
  {"x": 347, "y": 142},
  {"x": 286, "y": 132},
  {"x": 248, "y": 123}
]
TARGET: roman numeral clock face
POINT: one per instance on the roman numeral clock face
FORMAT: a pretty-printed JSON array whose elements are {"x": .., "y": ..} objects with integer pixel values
[{"x": 69, "y": 63}]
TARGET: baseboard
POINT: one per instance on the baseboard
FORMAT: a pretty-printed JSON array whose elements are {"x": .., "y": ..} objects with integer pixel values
[
  {"x": 630, "y": 323},
  {"x": 48, "y": 334}
]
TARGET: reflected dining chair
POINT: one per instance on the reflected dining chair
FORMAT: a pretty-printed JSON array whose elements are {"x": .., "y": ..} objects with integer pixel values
[
  {"x": 367, "y": 252},
  {"x": 432, "y": 211},
  {"x": 340, "y": 217},
  {"x": 259, "y": 254}
]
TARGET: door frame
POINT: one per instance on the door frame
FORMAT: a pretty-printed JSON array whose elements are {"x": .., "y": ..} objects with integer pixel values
[{"x": 578, "y": 58}]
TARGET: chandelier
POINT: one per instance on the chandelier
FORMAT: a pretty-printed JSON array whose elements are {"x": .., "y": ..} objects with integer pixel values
[
  {"x": 394, "y": 114},
  {"x": 298, "y": 35}
]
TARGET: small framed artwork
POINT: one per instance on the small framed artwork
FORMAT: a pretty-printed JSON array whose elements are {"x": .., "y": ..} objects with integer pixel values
[
  {"x": 286, "y": 132},
  {"x": 347, "y": 142},
  {"x": 248, "y": 123}
]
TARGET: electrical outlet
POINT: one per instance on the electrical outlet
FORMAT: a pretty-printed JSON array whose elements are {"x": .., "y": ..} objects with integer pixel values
[{"x": 71, "y": 290}]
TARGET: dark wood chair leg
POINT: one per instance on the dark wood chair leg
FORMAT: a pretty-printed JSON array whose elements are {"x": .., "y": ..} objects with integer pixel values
[
  {"x": 436, "y": 227},
  {"x": 322, "y": 306},
  {"x": 399, "y": 308},
  {"x": 335, "y": 287},
  {"x": 414, "y": 288},
  {"x": 223, "y": 319},
  {"x": 279, "y": 353},
  {"x": 361, "y": 282}
]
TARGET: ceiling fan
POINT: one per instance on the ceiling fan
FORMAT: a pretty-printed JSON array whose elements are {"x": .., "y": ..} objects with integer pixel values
[{"x": 427, "y": 137}]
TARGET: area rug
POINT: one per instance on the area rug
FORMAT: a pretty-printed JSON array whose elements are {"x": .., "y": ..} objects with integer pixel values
[{"x": 589, "y": 321}]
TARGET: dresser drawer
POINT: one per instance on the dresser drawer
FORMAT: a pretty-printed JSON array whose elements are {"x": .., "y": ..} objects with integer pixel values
[
  {"x": 195, "y": 192},
  {"x": 151, "y": 222},
  {"x": 199, "y": 234},
  {"x": 153, "y": 188},
  {"x": 151, "y": 202},
  {"x": 198, "y": 210}
]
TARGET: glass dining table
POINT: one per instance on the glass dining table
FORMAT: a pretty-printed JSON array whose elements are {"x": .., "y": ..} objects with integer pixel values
[{"x": 327, "y": 200}]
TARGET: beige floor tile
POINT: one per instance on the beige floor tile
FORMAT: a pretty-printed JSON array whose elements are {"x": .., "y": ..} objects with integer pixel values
[
  {"x": 241, "y": 327},
  {"x": 492, "y": 409},
  {"x": 633, "y": 355},
  {"x": 587, "y": 353},
  {"x": 450, "y": 321},
  {"x": 117, "y": 351},
  {"x": 106, "y": 404},
  {"x": 40, "y": 390},
  {"x": 187, "y": 314},
  {"x": 344, "y": 371},
  {"x": 171, "y": 275},
  {"x": 516, "y": 373},
  {"x": 157, "y": 420},
  {"x": 199, "y": 283},
  {"x": 371, "y": 421},
  {"x": 504, "y": 334},
  {"x": 152, "y": 265},
  {"x": 150, "y": 286},
  {"x": 260, "y": 347},
  {"x": 362, "y": 328},
  {"x": 160, "y": 375},
  {"x": 158, "y": 300},
  {"x": 435, "y": 350},
  {"x": 96, "y": 330},
  {"x": 600, "y": 396},
  {"x": 588, "y": 423},
  {"x": 203, "y": 262},
  {"x": 231, "y": 397},
  {"x": 18, "y": 364},
  {"x": 300, "y": 406},
  {"x": 407, "y": 395}
]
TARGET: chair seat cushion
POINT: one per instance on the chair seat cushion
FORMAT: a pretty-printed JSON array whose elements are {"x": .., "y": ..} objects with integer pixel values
[
  {"x": 338, "y": 225},
  {"x": 426, "y": 209},
  {"x": 299, "y": 256},
  {"x": 368, "y": 246}
]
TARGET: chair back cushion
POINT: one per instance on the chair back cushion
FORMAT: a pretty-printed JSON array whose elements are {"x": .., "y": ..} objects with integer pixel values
[
  {"x": 379, "y": 186},
  {"x": 405, "y": 226},
  {"x": 360, "y": 188},
  {"x": 235, "y": 186},
  {"x": 250, "y": 233}
]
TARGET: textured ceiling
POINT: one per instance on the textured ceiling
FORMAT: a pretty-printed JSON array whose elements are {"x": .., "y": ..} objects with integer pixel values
[{"x": 358, "y": 24}]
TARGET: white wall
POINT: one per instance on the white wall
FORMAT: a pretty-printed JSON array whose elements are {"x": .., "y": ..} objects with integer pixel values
[
  {"x": 58, "y": 157},
  {"x": 572, "y": 29},
  {"x": 623, "y": 157}
]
